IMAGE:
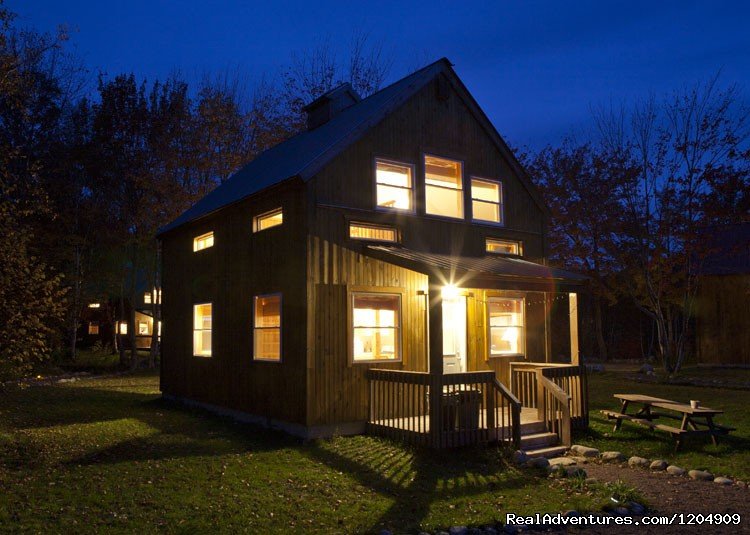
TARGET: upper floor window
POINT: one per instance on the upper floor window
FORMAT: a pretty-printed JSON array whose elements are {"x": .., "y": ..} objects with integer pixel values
[
  {"x": 204, "y": 241},
  {"x": 496, "y": 245},
  {"x": 147, "y": 298},
  {"x": 202, "y": 330},
  {"x": 376, "y": 321},
  {"x": 93, "y": 328},
  {"x": 486, "y": 201},
  {"x": 368, "y": 231},
  {"x": 443, "y": 185},
  {"x": 268, "y": 220},
  {"x": 267, "y": 323},
  {"x": 395, "y": 185}
]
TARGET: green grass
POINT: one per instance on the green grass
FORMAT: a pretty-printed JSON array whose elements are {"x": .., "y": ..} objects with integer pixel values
[
  {"x": 731, "y": 457},
  {"x": 108, "y": 454}
]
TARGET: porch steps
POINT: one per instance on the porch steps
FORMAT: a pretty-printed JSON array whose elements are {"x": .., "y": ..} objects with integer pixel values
[
  {"x": 536, "y": 441},
  {"x": 550, "y": 451}
]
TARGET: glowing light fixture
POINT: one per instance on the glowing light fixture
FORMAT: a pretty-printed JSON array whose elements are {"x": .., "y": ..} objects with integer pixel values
[
  {"x": 449, "y": 292},
  {"x": 94, "y": 305}
]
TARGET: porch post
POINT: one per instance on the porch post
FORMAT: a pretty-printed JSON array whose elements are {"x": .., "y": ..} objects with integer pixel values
[
  {"x": 435, "y": 355},
  {"x": 547, "y": 327},
  {"x": 573, "y": 310}
]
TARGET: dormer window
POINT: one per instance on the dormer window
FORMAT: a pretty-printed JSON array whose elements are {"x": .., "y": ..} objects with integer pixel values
[
  {"x": 443, "y": 185},
  {"x": 486, "y": 201},
  {"x": 394, "y": 183},
  {"x": 508, "y": 247},
  {"x": 204, "y": 241},
  {"x": 269, "y": 219}
]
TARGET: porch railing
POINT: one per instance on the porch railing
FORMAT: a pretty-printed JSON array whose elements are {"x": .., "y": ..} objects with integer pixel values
[
  {"x": 554, "y": 409},
  {"x": 473, "y": 408}
]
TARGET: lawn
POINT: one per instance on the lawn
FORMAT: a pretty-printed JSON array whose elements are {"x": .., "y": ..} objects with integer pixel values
[
  {"x": 108, "y": 454},
  {"x": 731, "y": 457}
]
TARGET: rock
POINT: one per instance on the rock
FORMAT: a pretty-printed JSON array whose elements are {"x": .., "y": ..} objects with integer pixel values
[
  {"x": 636, "y": 508},
  {"x": 639, "y": 462},
  {"x": 591, "y": 480},
  {"x": 561, "y": 461},
  {"x": 585, "y": 451},
  {"x": 580, "y": 460},
  {"x": 676, "y": 470},
  {"x": 385, "y": 532},
  {"x": 489, "y": 530},
  {"x": 723, "y": 481},
  {"x": 458, "y": 530},
  {"x": 701, "y": 475},
  {"x": 574, "y": 471},
  {"x": 659, "y": 465},
  {"x": 537, "y": 462},
  {"x": 647, "y": 369},
  {"x": 475, "y": 531},
  {"x": 510, "y": 528},
  {"x": 571, "y": 513},
  {"x": 613, "y": 457},
  {"x": 740, "y": 484},
  {"x": 621, "y": 511},
  {"x": 520, "y": 457}
]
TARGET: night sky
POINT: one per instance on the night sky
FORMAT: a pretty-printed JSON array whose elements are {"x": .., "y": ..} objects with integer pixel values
[{"x": 535, "y": 67}]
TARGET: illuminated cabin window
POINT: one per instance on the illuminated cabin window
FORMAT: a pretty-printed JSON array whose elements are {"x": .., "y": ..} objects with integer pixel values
[
  {"x": 147, "y": 298},
  {"x": 158, "y": 332},
  {"x": 202, "y": 330},
  {"x": 267, "y": 332},
  {"x": 142, "y": 328},
  {"x": 443, "y": 185},
  {"x": 93, "y": 328},
  {"x": 94, "y": 305},
  {"x": 366, "y": 231},
  {"x": 375, "y": 327},
  {"x": 394, "y": 184},
  {"x": 270, "y": 219},
  {"x": 510, "y": 247},
  {"x": 486, "y": 201},
  {"x": 203, "y": 241},
  {"x": 123, "y": 328},
  {"x": 507, "y": 335}
]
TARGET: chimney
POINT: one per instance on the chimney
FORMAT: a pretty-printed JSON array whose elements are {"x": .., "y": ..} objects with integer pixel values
[{"x": 326, "y": 107}]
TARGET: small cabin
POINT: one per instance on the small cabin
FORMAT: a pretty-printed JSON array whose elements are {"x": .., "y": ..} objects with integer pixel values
[{"x": 383, "y": 271}]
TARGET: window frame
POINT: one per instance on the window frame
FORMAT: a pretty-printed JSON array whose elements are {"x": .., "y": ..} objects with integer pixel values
[
  {"x": 500, "y": 203},
  {"x": 374, "y": 226},
  {"x": 194, "y": 330},
  {"x": 412, "y": 188},
  {"x": 265, "y": 215},
  {"x": 376, "y": 291},
  {"x": 518, "y": 243},
  {"x": 280, "y": 328},
  {"x": 461, "y": 190},
  {"x": 522, "y": 299},
  {"x": 201, "y": 237}
]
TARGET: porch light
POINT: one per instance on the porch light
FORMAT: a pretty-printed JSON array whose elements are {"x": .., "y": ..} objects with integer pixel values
[
  {"x": 449, "y": 292},
  {"x": 94, "y": 305}
]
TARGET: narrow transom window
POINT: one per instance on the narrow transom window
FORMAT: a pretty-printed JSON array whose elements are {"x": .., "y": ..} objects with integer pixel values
[
  {"x": 394, "y": 184},
  {"x": 202, "y": 330},
  {"x": 486, "y": 201},
  {"x": 376, "y": 320},
  {"x": 204, "y": 241},
  {"x": 443, "y": 181},
  {"x": 507, "y": 333},
  {"x": 270, "y": 219},
  {"x": 267, "y": 327},
  {"x": 509, "y": 247},
  {"x": 367, "y": 231}
]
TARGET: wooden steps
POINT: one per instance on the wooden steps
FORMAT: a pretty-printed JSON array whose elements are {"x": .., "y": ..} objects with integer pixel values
[
  {"x": 549, "y": 452},
  {"x": 536, "y": 441}
]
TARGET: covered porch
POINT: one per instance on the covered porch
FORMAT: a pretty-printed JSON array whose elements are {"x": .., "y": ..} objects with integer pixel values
[{"x": 498, "y": 370}]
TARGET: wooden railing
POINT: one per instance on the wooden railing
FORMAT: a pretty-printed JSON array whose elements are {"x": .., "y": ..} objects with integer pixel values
[
  {"x": 554, "y": 409},
  {"x": 469, "y": 408}
]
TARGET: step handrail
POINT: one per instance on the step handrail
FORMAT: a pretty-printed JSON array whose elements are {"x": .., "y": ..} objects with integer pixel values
[
  {"x": 515, "y": 406},
  {"x": 560, "y": 426}
]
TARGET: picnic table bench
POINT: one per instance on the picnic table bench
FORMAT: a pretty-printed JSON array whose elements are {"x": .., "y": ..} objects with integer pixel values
[{"x": 695, "y": 420}]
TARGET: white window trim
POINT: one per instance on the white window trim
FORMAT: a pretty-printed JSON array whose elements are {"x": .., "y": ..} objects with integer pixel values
[
  {"x": 489, "y": 327},
  {"x": 264, "y": 215},
  {"x": 412, "y": 189},
  {"x": 196, "y": 239},
  {"x": 211, "y": 329},
  {"x": 280, "y": 327},
  {"x": 462, "y": 189},
  {"x": 350, "y": 320},
  {"x": 500, "y": 203}
]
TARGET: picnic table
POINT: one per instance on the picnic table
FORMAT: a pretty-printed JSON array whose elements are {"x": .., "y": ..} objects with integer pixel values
[{"x": 696, "y": 421}]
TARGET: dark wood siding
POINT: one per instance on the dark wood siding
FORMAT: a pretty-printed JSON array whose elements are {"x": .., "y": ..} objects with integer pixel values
[{"x": 723, "y": 320}]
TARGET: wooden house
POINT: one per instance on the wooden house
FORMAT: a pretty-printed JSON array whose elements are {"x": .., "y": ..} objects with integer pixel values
[{"x": 383, "y": 271}]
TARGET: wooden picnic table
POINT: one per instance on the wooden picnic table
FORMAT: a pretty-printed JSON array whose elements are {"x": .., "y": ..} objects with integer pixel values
[{"x": 695, "y": 420}]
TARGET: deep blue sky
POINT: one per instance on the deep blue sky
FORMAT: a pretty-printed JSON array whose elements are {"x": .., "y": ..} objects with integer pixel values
[{"x": 535, "y": 67}]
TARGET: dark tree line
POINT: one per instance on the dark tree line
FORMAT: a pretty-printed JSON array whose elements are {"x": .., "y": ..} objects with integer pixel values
[{"x": 92, "y": 168}]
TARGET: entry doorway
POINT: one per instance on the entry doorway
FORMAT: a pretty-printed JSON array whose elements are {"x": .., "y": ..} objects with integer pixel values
[{"x": 454, "y": 334}]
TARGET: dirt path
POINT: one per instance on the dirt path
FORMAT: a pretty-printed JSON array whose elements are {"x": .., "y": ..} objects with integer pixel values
[{"x": 668, "y": 494}]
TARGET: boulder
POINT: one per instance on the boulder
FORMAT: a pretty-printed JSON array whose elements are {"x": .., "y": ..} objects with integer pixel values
[
  {"x": 636, "y": 508},
  {"x": 562, "y": 461},
  {"x": 658, "y": 465},
  {"x": 574, "y": 471},
  {"x": 647, "y": 369},
  {"x": 701, "y": 475},
  {"x": 723, "y": 481},
  {"x": 520, "y": 457},
  {"x": 621, "y": 511},
  {"x": 585, "y": 451},
  {"x": 676, "y": 470},
  {"x": 458, "y": 530},
  {"x": 537, "y": 462},
  {"x": 613, "y": 457},
  {"x": 639, "y": 462}
]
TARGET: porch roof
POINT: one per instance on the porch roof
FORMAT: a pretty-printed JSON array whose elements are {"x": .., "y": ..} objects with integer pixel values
[{"x": 493, "y": 271}]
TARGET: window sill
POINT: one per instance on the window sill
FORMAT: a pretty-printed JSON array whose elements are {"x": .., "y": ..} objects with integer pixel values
[
  {"x": 378, "y": 361},
  {"x": 509, "y": 356}
]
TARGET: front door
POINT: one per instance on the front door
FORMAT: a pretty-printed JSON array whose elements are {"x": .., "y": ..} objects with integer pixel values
[{"x": 454, "y": 334}]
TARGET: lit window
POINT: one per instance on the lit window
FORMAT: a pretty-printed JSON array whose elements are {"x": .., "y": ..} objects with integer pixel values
[
  {"x": 267, "y": 333},
  {"x": 202, "y": 330},
  {"x": 486, "y": 201},
  {"x": 394, "y": 185},
  {"x": 375, "y": 327},
  {"x": 443, "y": 181},
  {"x": 94, "y": 305},
  {"x": 203, "y": 242},
  {"x": 147, "y": 298},
  {"x": 494, "y": 245},
  {"x": 366, "y": 231},
  {"x": 506, "y": 326},
  {"x": 158, "y": 332},
  {"x": 123, "y": 328},
  {"x": 93, "y": 328},
  {"x": 268, "y": 220},
  {"x": 142, "y": 328},
  {"x": 158, "y": 296}
]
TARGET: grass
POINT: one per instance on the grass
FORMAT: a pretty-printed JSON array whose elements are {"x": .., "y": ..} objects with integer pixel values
[
  {"x": 731, "y": 457},
  {"x": 109, "y": 454}
]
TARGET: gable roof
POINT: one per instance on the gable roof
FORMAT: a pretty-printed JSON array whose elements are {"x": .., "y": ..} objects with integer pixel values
[{"x": 306, "y": 153}]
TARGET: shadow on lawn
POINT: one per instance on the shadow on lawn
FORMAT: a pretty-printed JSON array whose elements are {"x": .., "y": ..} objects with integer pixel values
[{"x": 417, "y": 477}]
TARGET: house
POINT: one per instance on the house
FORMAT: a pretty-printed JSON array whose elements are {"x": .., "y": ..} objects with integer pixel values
[
  {"x": 722, "y": 309},
  {"x": 382, "y": 271}
]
